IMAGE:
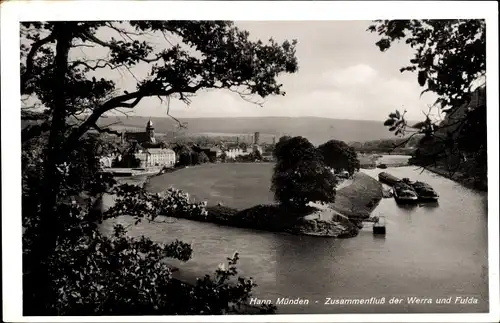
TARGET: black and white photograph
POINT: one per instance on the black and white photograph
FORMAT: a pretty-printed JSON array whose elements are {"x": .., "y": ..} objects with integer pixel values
[{"x": 167, "y": 160}]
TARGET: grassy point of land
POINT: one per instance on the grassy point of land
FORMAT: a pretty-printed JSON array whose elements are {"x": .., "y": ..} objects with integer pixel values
[{"x": 243, "y": 190}]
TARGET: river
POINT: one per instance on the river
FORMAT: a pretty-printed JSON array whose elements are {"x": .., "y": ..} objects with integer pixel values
[{"x": 429, "y": 251}]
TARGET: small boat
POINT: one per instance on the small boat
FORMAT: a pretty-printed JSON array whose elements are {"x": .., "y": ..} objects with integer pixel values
[
  {"x": 382, "y": 166},
  {"x": 404, "y": 193},
  {"x": 425, "y": 192},
  {"x": 388, "y": 178}
]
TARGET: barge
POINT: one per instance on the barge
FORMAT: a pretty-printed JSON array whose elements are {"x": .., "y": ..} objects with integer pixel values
[
  {"x": 388, "y": 178},
  {"x": 425, "y": 192},
  {"x": 404, "y": 193}
]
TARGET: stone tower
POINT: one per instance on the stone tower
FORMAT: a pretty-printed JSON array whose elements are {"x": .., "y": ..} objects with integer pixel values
[
  {"x": 256, "y": 138},
  {"x": 150, "y": 130}
]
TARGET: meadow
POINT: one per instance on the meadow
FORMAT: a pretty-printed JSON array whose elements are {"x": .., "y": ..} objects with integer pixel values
[
  {"x": 236, "y": 185},
  {"x": 242, "y": 186}
]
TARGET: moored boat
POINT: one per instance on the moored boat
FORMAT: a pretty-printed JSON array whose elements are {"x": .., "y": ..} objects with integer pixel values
[
  {"x": 388, "y": 178},
  {"x": 404, "y": 193},
  {"x": 425, "y": 192}
]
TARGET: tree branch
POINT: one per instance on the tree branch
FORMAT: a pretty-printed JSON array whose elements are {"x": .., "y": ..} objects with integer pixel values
[
  {"x": 404, "y": 142},
  {"x": 105, "y": 130},
  {"x": 168, "y": 112},
  {"x": 122, "y": 102},
  {"x": 106, "y": 64},
  {"x": 118, "y": 48},
  {"x": 31, "y": 55},
  {"x": 123, "y": 32}
]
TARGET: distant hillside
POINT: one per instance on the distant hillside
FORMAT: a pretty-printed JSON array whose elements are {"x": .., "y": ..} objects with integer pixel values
[{"x": 317, "y": 130}]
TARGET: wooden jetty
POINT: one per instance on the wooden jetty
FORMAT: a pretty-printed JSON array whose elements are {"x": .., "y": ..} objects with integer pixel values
[{"x": 379, "y": 226}]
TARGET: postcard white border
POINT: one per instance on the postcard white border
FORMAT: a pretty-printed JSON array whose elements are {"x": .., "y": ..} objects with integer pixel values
[{"x": 14, "y": 11}]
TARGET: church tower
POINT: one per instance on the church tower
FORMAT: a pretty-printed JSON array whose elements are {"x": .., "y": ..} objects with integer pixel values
[{"x": 150, "y": 130}]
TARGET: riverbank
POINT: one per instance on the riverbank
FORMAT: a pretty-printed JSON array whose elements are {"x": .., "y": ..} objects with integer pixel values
[{"x": 460, "y": 178}]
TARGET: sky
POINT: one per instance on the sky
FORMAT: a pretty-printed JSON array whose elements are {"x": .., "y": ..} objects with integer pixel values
[{"x": 342, "y": 75}]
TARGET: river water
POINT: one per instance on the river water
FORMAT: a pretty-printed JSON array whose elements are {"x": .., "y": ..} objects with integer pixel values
[{"x": 429, "y": 251}]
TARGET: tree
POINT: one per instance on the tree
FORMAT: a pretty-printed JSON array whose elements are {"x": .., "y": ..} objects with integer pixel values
[
  {"x": 450, "y": 61},
  {"x": 185, "y": 158},
  {"x": 340, "y": 156},
  {"x": 279, "y": 144},
  {"x": 243, "y": 146},
  {"x": 256, "y": 154},
  {"x": 202, "y": 158},
  {"x": 223, "y": 157},
  {"x": 129, "y": 160},
  {"x": 213, "y": 55},
  {"x": 300, "y": 175}
]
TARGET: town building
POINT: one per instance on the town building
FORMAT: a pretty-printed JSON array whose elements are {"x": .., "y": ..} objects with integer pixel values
[
  {"x": 153, "y": 157},
  {"x": 232, "y": 153},
  {"x": 142, "y": 137},
  {"x": 146, "y": 151}
]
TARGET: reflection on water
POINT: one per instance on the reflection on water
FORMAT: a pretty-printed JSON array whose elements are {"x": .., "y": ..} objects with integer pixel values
[
  {"x": 429, "y": 205},
  {"x": 407, "y": 207},
  {"x": 429, "y": 251}
]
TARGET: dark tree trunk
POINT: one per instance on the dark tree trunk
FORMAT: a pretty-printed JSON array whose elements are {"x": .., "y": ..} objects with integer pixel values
[{"x": 38, "y": 294}]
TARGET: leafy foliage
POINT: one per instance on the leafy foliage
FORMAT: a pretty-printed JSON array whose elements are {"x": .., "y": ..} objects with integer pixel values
[
  {"x": 218, "y": 55},
  {"x": 300, "y": 175},
  {"x": 279, "y": 144},
  {"x": 223, "y": 157},
  {"x": 450, "y": 55},
  {"x": 450, "y": 61},
  {"x": 340, "y": 156},
  {"x": 200, "y": 158},
  {"x": 69, "y": 267},
  {"x": 257, "y": 155}
]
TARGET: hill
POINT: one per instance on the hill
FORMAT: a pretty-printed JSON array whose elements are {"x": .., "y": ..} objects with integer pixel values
[{"x": 317, "y": 130}]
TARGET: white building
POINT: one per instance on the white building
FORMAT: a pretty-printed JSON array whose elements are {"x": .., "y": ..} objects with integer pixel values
[
  {"x": 156, "y": 157},
  {"x": 232, "y": 153},
  {"x": 235, "y": 152}
]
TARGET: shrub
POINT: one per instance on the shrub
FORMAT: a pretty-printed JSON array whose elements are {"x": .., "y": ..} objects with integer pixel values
[
  {"x": 202, "y": 158},
  {"x": 220, "y": 212}
]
